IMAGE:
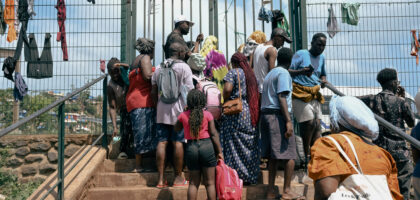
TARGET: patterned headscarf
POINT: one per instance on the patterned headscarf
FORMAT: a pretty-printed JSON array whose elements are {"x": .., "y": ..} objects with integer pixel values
[
  {"x": 209, "y": 44},
  {"x": 351, "y": 113},
  {"x": 251, "y": 85}
]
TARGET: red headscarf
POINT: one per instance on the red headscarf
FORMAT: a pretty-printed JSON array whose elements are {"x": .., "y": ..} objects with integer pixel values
[{"x": 251, "y": 86}]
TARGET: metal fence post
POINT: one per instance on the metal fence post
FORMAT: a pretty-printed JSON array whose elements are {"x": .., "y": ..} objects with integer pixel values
[
  {"x": 61, "y": 134},
  {"x": 105, "y": 114}
]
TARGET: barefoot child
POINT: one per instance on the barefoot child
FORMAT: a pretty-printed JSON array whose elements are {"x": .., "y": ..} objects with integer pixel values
[{"x": 203, "y": 144}]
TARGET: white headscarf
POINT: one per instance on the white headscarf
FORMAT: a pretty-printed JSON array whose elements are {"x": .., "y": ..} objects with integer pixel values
[{"x": 354, "y": 115}]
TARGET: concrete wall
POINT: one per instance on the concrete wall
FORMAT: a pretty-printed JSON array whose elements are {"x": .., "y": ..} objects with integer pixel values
[{"x": 34, "y": 157}]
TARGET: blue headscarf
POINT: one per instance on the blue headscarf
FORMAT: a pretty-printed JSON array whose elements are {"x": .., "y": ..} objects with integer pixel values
[{"x": 353, "y": 114}]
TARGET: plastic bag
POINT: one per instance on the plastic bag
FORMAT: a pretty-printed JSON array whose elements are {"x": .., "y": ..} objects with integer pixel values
[{"x": 228, "y": 183}]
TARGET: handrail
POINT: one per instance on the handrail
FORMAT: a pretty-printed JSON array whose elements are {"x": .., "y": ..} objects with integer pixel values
[
  {"x": 382, "y": 121},
  {"x": 21, "y": 122},
  {"x": 73, "y": 166},
  {"x": 61, "y": 115}
]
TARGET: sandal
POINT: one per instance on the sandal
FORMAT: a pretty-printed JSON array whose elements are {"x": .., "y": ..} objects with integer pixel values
[
  {"x": 183, "y": 184},
  {"x": 162, "y": 186}
]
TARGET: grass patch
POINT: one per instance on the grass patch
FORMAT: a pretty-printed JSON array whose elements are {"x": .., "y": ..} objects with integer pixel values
[{"x": 9, "y": 185}]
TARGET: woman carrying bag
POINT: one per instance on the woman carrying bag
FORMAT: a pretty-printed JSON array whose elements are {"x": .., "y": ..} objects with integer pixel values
[{"x": 238, "y": 133}]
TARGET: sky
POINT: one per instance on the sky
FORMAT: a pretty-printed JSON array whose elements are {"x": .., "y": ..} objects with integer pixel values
[{"x": 353, "y": 57}]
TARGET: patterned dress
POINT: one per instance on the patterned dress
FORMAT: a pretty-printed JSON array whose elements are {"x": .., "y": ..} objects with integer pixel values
[{"x": 238, "y": 137}]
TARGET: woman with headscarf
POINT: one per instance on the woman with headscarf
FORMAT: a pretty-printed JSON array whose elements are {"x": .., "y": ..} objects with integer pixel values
[
  {"x": 237, "y": 132},
  {"x": 139, "y": 100},
  {"x": 350, "y": 119}
]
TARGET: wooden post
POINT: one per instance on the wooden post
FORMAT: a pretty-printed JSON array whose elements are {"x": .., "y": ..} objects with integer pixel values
[{"x": 16, "y": 103}]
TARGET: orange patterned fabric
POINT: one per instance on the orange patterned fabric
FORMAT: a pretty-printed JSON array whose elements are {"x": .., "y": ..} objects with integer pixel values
[
  {"x": 9, "y": 18},
  {"x": 327, "y": 161}
]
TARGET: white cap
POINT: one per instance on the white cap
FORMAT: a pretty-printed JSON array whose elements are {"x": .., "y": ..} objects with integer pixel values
[{"x": 182, "y": 18}]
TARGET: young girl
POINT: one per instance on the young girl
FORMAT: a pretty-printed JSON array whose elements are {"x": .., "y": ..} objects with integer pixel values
[{"x": 203, "y": 144}]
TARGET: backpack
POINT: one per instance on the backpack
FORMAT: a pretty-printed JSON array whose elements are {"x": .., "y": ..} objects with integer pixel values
[
  {"x": 228, "y": 184},
  {"x": 168, "y": 83},
  {"x": 213, "y": 97}
]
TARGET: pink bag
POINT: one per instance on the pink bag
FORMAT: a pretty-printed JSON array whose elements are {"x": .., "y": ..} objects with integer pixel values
[
  {"x": 213, "y": 97},
  {"x": 228, "y": 183}
]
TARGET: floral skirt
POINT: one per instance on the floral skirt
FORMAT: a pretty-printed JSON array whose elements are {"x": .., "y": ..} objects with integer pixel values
[
  {"x": 239, "y": 141},
  {"x": 144, "y": 129}
]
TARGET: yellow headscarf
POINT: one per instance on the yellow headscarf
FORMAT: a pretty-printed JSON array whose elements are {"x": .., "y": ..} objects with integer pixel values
[{"x": 209, "y": 44}]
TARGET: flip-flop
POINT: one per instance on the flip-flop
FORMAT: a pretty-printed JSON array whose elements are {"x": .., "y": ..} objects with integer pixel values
[
  {"x": 162, "y": 186},
  {"x": 184, "y": 184}
]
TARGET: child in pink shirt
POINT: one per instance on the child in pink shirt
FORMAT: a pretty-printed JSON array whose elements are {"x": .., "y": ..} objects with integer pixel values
[{"x": 202, "y": 144}]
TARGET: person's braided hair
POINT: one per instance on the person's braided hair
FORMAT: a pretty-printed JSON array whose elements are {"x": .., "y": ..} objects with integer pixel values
[
  {"x": 145, "y": 46},
  {"x": 251, "y": 85},
  {"x": 196, "y": 101}
]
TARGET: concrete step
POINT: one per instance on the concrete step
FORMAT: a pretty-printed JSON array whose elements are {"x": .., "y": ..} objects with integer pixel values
[
  {"x": 128, "y": 165},
  {"x": 116, "y": 179},
  {"x": 170, "y": 193}
]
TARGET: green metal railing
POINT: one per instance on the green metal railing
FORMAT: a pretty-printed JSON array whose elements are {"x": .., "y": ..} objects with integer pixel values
[{"x": 61, "y": 134}]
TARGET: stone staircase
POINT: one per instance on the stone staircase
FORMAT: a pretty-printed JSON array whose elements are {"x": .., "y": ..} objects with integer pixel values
[{"x": 114, "y": 181}]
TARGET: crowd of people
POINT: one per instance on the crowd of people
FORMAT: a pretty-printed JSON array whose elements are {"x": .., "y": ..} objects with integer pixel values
[{"x": 164, "y": 107}]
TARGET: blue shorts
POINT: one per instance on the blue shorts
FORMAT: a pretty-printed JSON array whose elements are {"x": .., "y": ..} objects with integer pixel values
[{"x": 165, "y": 132}]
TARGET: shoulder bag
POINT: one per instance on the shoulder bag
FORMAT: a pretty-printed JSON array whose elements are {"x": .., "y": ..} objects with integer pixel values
[
  {"x": 234, "y": 106},
  {"x": 360, "y": 186}
]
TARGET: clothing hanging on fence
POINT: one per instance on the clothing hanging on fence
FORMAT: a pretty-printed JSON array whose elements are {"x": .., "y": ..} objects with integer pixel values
[
  {"x": 23, "y": 17},
  {"x": 349, "y": 13},
  {"x": 61, "y": 35},
  {"x": 31, "y": 11},
  {"x": 21, "y": 88},
  {"x": 39, "y": 67},
  {"x": 3, "y": 25},
  {"x": 332, "y": 25},
  {"x": 415, "y": 46},
  {"x": 17, "y": 22},
  {"x": 10, "y": 62},
  {"x": 9, "y": 18},
  {"x": 9, "y": 67},
  {"x": 265, "y": 14}
]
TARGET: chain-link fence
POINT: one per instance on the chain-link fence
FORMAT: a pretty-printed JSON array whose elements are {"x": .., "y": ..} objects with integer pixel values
[
  {"x": 93, "y": 33},
  {"x": 381, "y": 39}
]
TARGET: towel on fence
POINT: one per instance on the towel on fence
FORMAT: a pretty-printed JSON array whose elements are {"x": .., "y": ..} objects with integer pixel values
[
  {"x": 332, "y": 25},
  {"x": 349, "y": 13},
  {"x": 3, "y": 25},
  {"x": 265, "y": 14},
  {"x": 307, "y": 94},
  {"x": 21, "y": 88},
  {"x": 9, "y": 18},
  {"x": 415, "y": 46}
]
